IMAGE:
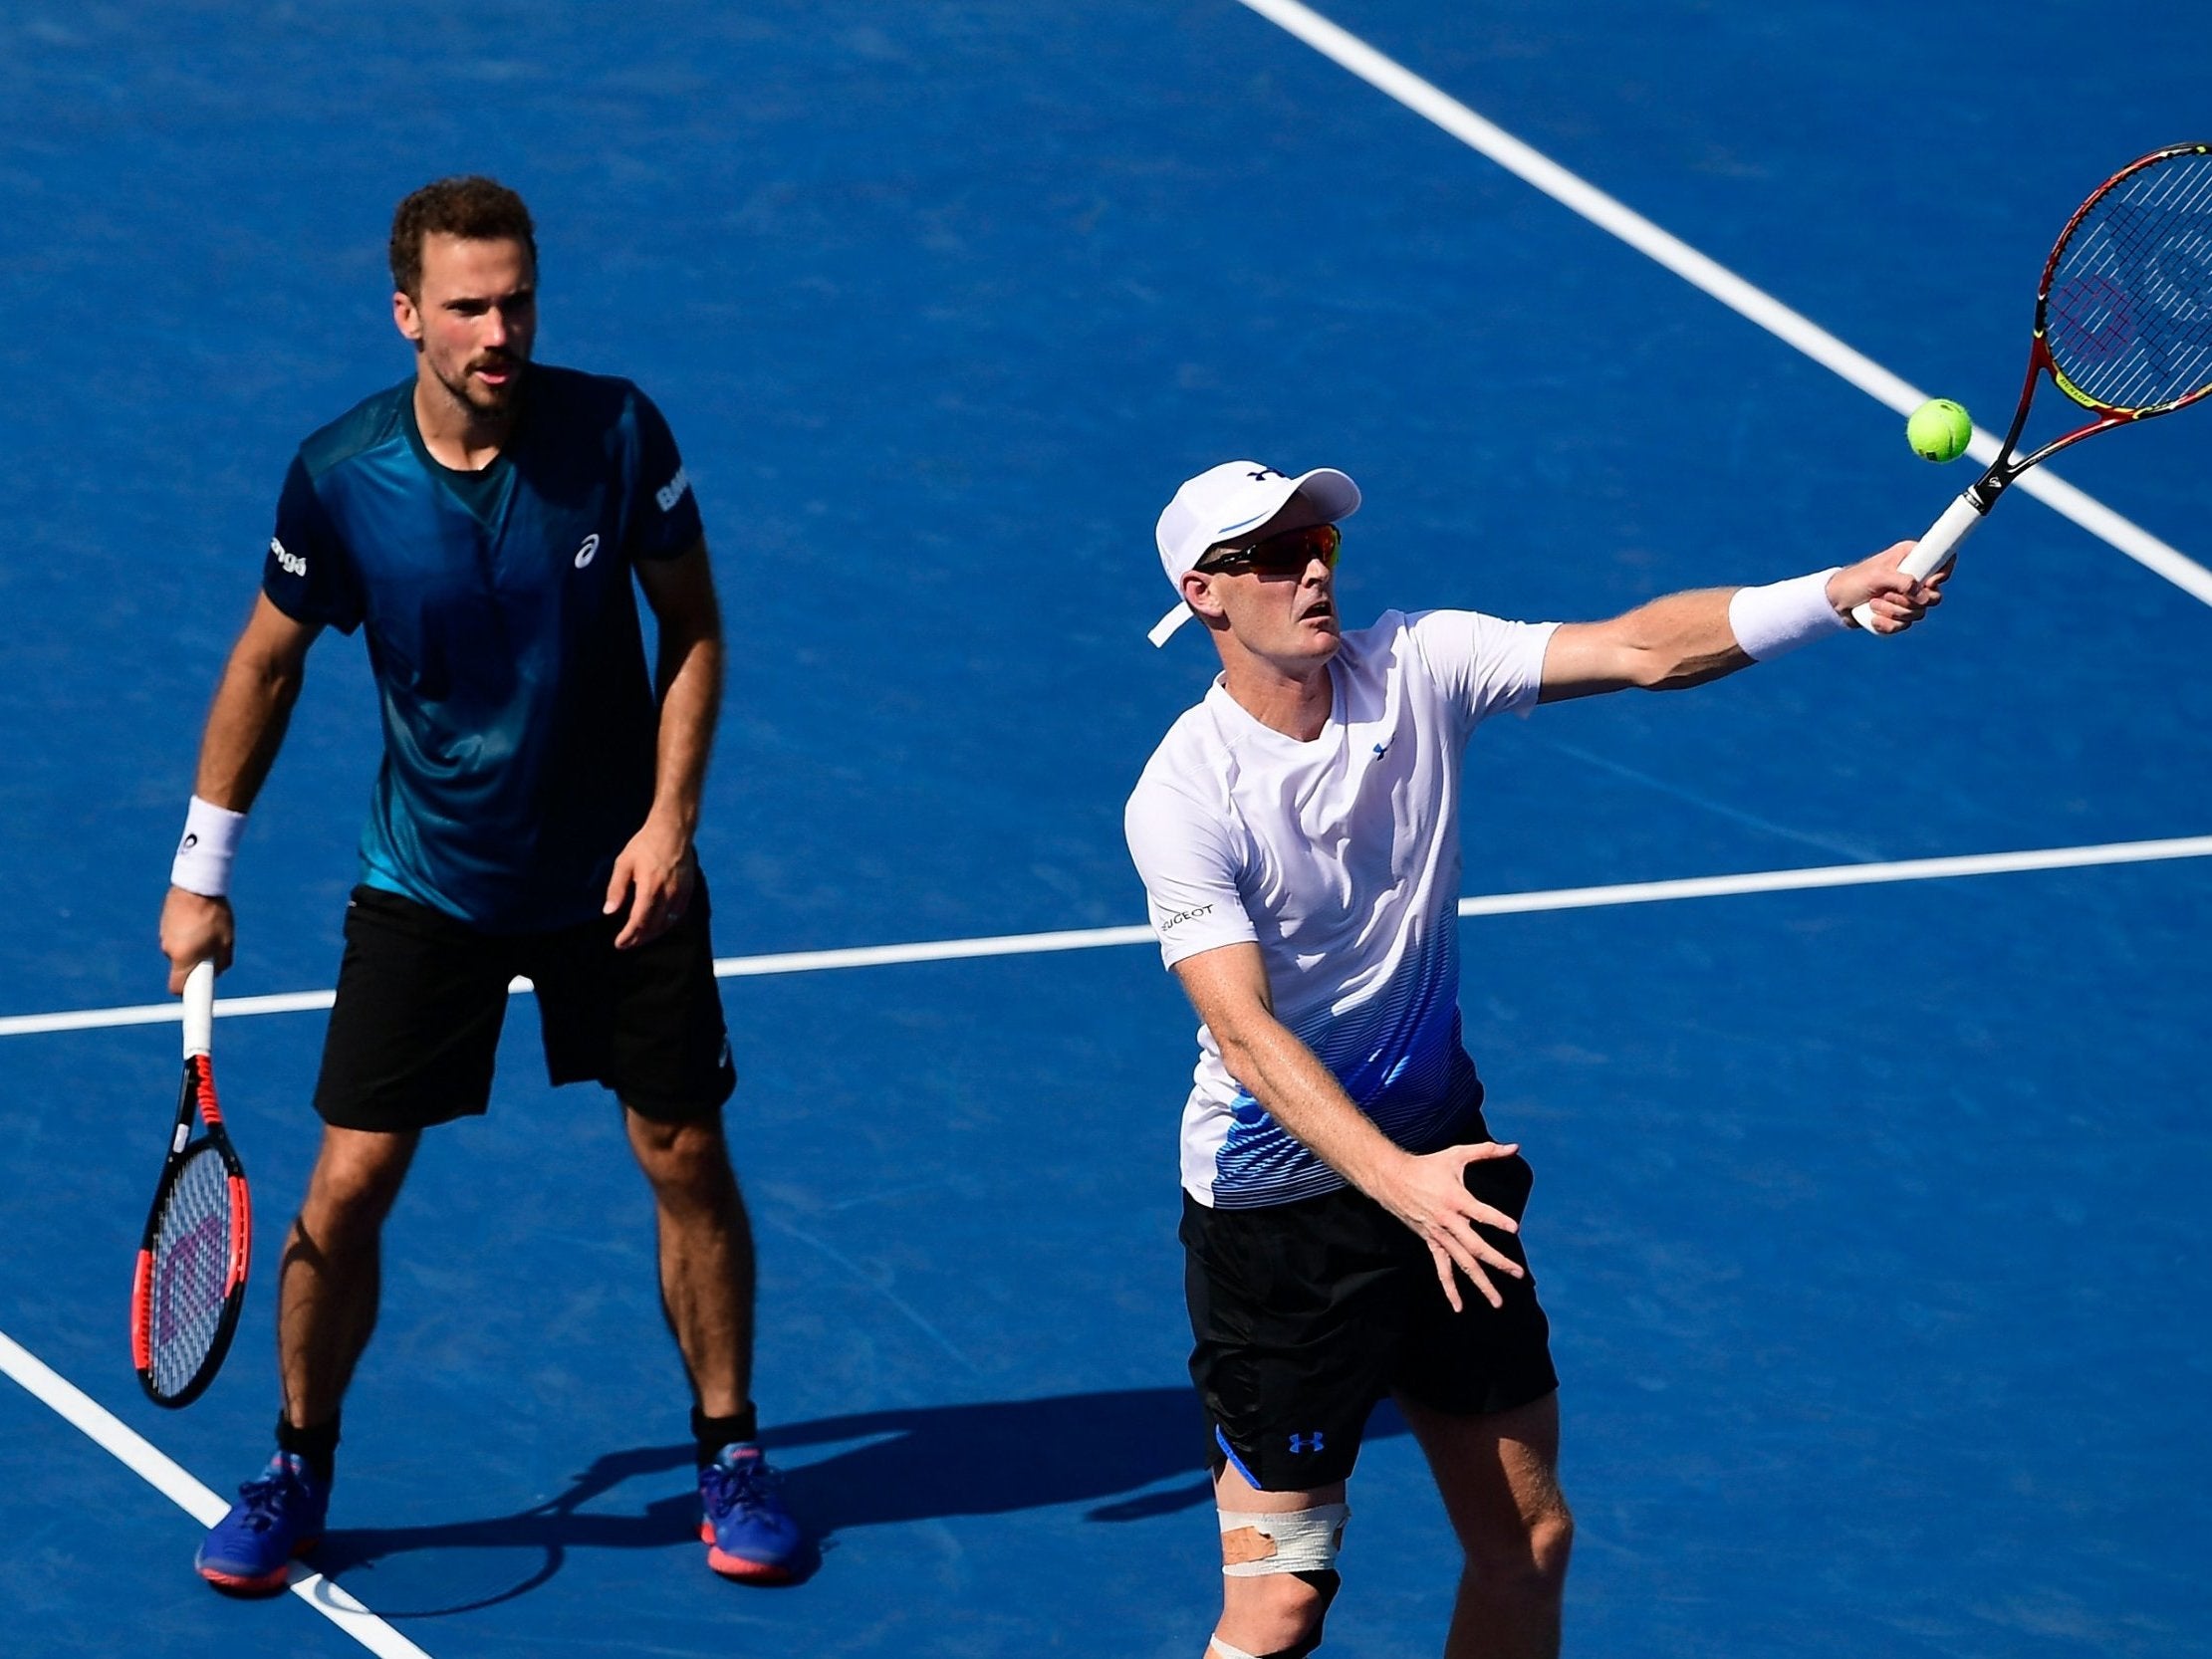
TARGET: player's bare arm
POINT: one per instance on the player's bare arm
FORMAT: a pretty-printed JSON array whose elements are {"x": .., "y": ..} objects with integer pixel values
[
  {"x": 245, "y": 729},
  {"x": 1228, "y": 987},
  {"x": 656, "y": 871},
  {"x": 1687, "y": 639}
]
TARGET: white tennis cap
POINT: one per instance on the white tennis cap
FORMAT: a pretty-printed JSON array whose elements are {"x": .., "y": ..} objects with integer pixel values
[{"x": 1235, "y": 499}]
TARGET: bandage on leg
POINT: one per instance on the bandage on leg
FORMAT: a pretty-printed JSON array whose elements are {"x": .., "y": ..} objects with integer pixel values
[{"x": 1287, "y": 1540}]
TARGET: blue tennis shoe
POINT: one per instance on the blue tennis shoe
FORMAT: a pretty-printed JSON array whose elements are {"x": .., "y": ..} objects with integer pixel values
[
  {"x": 277, "y": 1516},
  {"x": 749, "y": 1534}
]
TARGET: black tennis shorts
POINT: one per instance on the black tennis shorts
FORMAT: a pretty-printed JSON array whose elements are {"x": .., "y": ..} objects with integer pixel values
[
  {"x": 1307, "y": 1314},
  {"x": 421, "y": 995}
]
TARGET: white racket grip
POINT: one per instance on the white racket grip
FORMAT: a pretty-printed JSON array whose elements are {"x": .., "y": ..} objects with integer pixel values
[
  {"x": 1933, "y": 550},
  {"x": 199, "y": 1010}
]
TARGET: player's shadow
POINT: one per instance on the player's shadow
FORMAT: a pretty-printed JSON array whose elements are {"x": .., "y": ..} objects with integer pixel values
[{"x": 1131, "y": 1454}]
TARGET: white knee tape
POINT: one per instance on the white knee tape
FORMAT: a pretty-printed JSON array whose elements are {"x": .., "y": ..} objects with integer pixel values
[
  {"x": 1293, "y": 1540},
  {"x": 1217, "y": 1645}
]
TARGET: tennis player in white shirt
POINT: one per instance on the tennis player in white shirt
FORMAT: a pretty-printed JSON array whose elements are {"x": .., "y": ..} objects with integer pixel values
[{"x": 1351, "y": 1229}]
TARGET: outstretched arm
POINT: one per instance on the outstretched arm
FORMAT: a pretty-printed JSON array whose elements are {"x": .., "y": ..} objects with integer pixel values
[
  {"x": 1228, "y": 987},
  {"x": 245, "y": 729},
  {"x": 657, "y": 871},
  {"x": 1686, "y": 639}
]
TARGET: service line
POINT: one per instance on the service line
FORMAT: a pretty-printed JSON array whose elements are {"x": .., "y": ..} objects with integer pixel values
[{"x": 1094, "y": 939}]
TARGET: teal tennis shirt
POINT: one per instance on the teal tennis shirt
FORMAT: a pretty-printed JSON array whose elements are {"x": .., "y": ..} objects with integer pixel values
[{"x": 519, "y": 714}]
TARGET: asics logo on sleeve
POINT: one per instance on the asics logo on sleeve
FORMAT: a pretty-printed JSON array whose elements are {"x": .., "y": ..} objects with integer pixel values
[
  {"x": 588, "y": 551},
  {"x": 290, "y": 562},
  {"x": 672, "y": 492}
]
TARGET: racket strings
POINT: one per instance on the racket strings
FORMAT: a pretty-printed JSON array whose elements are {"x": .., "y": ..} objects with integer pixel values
[
  {"x": 191, "y": 1271},
  {"x": 2128, "y": 314}
]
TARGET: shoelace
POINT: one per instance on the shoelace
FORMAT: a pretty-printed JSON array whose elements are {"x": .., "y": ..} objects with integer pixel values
[
  {"x": 745, "y": 1485},
  {"x": 266, "y": 1494}
]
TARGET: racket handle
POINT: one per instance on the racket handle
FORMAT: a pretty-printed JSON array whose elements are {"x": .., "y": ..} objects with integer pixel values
[
  {"x": 199, "y": 1010},
  {"x": 1934, "y": 550}
]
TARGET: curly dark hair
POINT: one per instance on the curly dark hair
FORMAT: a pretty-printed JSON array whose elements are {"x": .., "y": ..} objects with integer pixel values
[{"x": 476, "y": 208}]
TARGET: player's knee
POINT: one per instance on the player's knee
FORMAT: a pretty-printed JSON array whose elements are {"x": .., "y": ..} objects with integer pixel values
[
  {"x": 681, "y": 1158},
  {"x": 1279, "y": 1575},
  {"x": 1278, "y": 1616},
  {"x": 358, "y": 1175},
  {"x": 672, "y": 1139},
  {"x": 1550, "y": 1541},
  {"x": 1533, "y": 1556}
]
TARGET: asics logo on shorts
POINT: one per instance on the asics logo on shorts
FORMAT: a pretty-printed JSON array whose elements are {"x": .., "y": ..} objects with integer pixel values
[
  {"x": 588, "y": 551},
  {"x": 290, "y": 562}
]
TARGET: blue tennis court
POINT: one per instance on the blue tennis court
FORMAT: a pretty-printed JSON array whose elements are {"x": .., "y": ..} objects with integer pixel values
[{"x": 1867, "y": 1202}]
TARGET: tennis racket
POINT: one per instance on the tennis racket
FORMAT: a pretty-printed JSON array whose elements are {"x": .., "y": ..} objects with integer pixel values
[
  {"x": 2123, "y": 323},
  {"x": 191, "y": 1278}
]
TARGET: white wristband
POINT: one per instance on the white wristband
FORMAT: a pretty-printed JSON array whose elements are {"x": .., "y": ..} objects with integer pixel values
[
  {"x": 1767, "y": 621},
  {"x": 210, "y": 841}
]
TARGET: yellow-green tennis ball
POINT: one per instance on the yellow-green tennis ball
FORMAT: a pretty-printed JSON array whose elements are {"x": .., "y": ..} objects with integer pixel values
[{"x": 1939, "y": 430}]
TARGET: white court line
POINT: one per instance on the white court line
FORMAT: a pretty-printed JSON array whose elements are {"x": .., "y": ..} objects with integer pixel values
[
  {"x": 136, "y": 1453},
  {"x": 1431, "y": 102},
  {"x": 1094, "y": 939},
  {"x": 1843, "y": 875}
]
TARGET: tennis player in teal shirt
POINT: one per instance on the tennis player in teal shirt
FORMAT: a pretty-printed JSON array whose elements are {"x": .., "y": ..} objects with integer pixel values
[
  {"x": 519, "y": 722},
  {"x": 486, "y": 526}
]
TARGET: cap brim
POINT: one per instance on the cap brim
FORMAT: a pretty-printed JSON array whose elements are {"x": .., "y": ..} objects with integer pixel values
[{"x": 1332, "y": 494}]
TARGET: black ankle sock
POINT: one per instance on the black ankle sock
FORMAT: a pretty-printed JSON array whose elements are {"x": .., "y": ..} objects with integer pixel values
[
  {"x": 318, "y": 1445},
  {"x": 714, "y": 1433}
]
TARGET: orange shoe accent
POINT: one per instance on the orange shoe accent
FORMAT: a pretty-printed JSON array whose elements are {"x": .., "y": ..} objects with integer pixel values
[
  {"x": 752, "y": 1572},
  {"x": 268, "y": 1585}
]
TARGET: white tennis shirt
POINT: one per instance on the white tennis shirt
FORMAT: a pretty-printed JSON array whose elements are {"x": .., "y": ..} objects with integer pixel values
[{"x": 1340, "y": 859}]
